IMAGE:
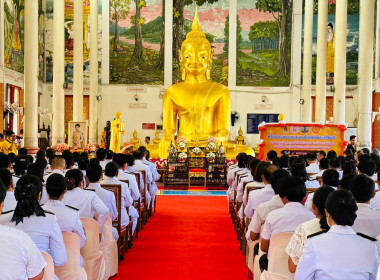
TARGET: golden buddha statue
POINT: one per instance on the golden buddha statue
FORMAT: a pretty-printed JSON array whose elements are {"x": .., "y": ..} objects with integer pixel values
[
  {"x": 157, "y": 138},
  {"x": 200, "y": 104},
  {"x": 135, "y": 141},
  {"x": 117, "y": 128},
  {"x": 240, "y": 139}
]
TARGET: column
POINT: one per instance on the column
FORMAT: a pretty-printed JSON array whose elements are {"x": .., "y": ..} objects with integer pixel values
[
  {"x": 340, "y": 61},
  {"x": 31, "y": 75},
  {"x": 93, "y": 119},
  {"x": 366, "y": 29},
  {"x": 307, "y": 109},
  {"x": 78, "y": 61},
  {"x": 105, "y": 41},
  {"x": 232, "y": 45},
  {"x": 58, "y": 127},
  {"x": 168, "y": 69},
  {"x": 320, "y": 108}
]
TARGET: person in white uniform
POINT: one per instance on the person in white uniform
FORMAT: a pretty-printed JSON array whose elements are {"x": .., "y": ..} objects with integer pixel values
[
  {"x": 130, "y": 170},
  {"x": 236, "y": 167},
  {"x": 367, "y": 221},
  {"x": 140, "y": 166},
  {"x": 28, "y": 216},
  {"x": 23, "y": 261},
  {"x": 10, "y": 200},
  {"x": 335, "y": 163},
  {"x": 339, "y": 253},
  {"x": 153, "y": 187},
  {"x": 368, "y": 167},
  {"x": 101, "y": 155},
  {"x": 246, "y": 178},
  {"x": 86, "y": 201},
  {"x": 5, "y": 162},
  {"x": 58, "y": 165},
  {"x": 299, "y": 170},
  {"x": 313, "y": 167}
]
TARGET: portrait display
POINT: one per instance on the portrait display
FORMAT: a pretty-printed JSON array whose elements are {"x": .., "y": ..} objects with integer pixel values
[{"x": 78, "y": 134}]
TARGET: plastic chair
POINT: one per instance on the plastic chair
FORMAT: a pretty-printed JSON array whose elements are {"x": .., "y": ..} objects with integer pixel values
[
  {"x": 110, "y": 249},
  {"x": 49, "y": 268},
  {"x": 93, "y": 258},
  {"x": 72, "y": 269}
]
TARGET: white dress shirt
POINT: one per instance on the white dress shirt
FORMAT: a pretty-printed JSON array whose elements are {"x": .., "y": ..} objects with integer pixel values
[
  {"x": 20, "y": 257},
  {"x": 240, "y": 188},
  {"x": 153, "y": 187},
  {"x": 139, "y": 166},
  {"x": 135, "y": 192},
  {"x": 261, "y": 214},
  {"x": 103, "y": 164},
  {"x": 67, "y": 217},
  {"x": 375, "y": 202},
  {"x": 312, "y": 168},
  {"x": 256, "y": 197},
  {"x": 45, "y": 233},
  {"x": 231, "y": 175},
  {"x": 239, "y": 175},
  {"x": 10, "y": 202},
  {"x": 285, "y": 219},
  {"x": 252, "y": 184},
  {"x": 87, "y": 202},
  {"x": 367, "y": 220},
  {"x": 131, "y": 170},
  {"x": 106, "y": 196},
  {"x": 338, "y": 254}
]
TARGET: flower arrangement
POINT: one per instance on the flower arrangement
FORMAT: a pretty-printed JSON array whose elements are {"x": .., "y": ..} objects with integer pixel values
[
  {"x": 221, "y": 151},
  {"x": 211, "y": 143},
  {"x": 172, "y": 150},
  {"x": 196, "y": 151},
  {"x": 182, "y": 157},
  {"x": 62, "y": 147},
  {"x": 181, "y": 142},
  {"x": 90, "y": 148},
  {"x": 210, "y": 155}
]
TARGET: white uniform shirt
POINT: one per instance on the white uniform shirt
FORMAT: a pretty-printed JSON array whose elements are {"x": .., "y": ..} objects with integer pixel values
[
  {"x": 153, "y": 187},
  {"x": 15, "y": 179},
  {"x": 312, "y": 168},
  {"x": 139, "y": 166},
  {"x": 367, "y": 220},
  {"x": 240, "y": 187},
  {"x": 20, "y": 257},
  {"x": 256, "y": 197},
  {"x": 103, "y": 164},
  {"x": 285, "y": 219},
  {"x": 252, "y": 184},
  {"x": 338, "y": 254},
  {"x": 106, "y": 196},
  {"x": 135, "y": 192},
  {"x": 231, "y": 175},
  {"x": 131, "y": 170},
  {"x": 45, "y": 233},
  {"x": 239, "y": 175},
  {"x": 261, "y": 214},
  {"x": 67, "y": 217},
  {"x": 375, "y": 202},
  {"x": 87, "y": 202},
  {"x": 10, "y": 202}
]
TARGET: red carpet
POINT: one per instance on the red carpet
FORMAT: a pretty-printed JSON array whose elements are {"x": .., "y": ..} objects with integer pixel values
[{"x": 189, "y": 237}]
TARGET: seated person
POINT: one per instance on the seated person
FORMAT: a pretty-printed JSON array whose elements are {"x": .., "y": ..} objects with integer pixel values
[
  {"x": 256, "y": 197},
  {"x": 261, "y": 213},
  {"x": 10, "y": 200},
  {"x": 367, "y": 221},
  {"x": 236, "y": 167},
  {"x": 242, "y": 173},
  {"x": 69, "y": 159},
  {"x": 153, "y": 169},
  {"x": 323, "y": 166},
  {"x": 86, "y": 201},
  {"x": 121, "y": 160},
  {"x": 21, "y": 165},
  {"x": 110, "y": 155},
  {"x": 40, "y": 225},
  {"x": 298, "y": 240},
  {"x": 257, "y": 179},
  {"x": 320, "y": 155},
  {"x": 131, "y": 170},
  {"x": 246, "y": 178},
  {"x": 101, "y": 155},
  {"x": 350, "y": 167},
  {"x": 140, "y": 166},
  {"x": 5, "y": 162},
  {"x": 20, "y": 257},
  {"x": 368, "y": 167},
  {"x": 299, "y": 170},
  {"x": 339, "y": 253},
  {"x": 313, "y": 167},
  {"x": 335, "y": 163},
  {"x": 271, "y": 155},
  {"x": 283, "y": 162},
  {"x": 36, "y": 169}
]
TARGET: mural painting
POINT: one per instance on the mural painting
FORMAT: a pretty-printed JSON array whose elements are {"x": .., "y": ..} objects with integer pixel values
[
  {"x": 264, "y": 43},
  {"x": 14, "y": 35},
  {"x": 214, "y": 20},
  {"x": 137, "y": 41}
]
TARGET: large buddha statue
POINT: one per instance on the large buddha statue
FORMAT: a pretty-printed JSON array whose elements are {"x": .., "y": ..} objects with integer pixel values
[{"x": 202, "y": 106}]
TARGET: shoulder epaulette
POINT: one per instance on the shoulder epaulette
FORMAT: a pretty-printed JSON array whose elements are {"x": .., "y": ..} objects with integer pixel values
[
  {"x": 6, "y": 212},
  {"x": 89, "y": 190},
  {"x": 49, "y": 212},
  {"x": 107, "y": 189},
  {"x": 317, "y": 233},
  {"x": 76, "y": 209},
  {"x": 366, "y": 236}
]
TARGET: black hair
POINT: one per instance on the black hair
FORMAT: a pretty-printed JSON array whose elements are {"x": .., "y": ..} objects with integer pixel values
[
  {"x": 77, "y": 125},
  {"x": 342, "y": 160},
  {"x": 22, "y": 152},
  {"x": 299, "y": 160},
  {"x": 377, "y": 162},
  {"x": 277, "y": 175},
  {"x": 120, "y": 159},
  {"x": 291, "y": 161},
  {"x": 50, "y": 152},
  {"x": 324, "y": 163},
  {"x": 311, "y": 156},
  {"x": 352, "y": 137},
  {"x": 31, "y": 159},
  {"x": 84, "y": 155},
  {"x": 299, "y": 170},
  {"x": 73, "y": 178},
  {"x": 331, "y": 25},
  {"x": 331, "y": 154},
  {"x": 5, "y": 161},
  {"x": 147, "y": 156},
  {"x": 130, "y": 160},
  {"x": 364, "y": 158},
  {"x": 259, "y": 170},
  {"x": 9, "y": 132},
  {"x": 6, "y": 177},
  {"x": 271, "y": 155},
  {"x": 367, "y": 167},
  {"x": 27, "y": 189},
  {"x": 366, "y": 151},
  {"x": 12, "y": 157},
  {"x": 350, "y": 168},
  {"x": 139, "y": 155},
  {"x": 83, "y": 163},
  {"x": 51, "y": 158},
  {"x": 147, "y": 137},
  {"x": 240, "y": 159},
  {"x": 268, "y": 171},
  {"x": 36, "y": 170},
  {"x": 350, "y": 157},
  {"x": 3, "y": 192},
  {"x": 283, "y": 161},
  {"x": 348, "y": 152},
  {"x": 41, "y": 154},
  {"x": 142, "y": 149},
  {"x": 344, "y": 183},
  {"x": 69, "y": 158},
  {"x": 55, "y": 185},
  {"x": 42, "y": 162},
  {"x": 101, "y": 154},
  {"x": 341, "y": 206},
  {"x": 335, "y": 163},
  {"x": 253, "y": 164},
  {"x": 291, "y": 187},
  {"x": 76, "y": 156},
  {"x": 21, "y": 165},
  {"x": 110, "y": 154},
  {"x": 323, "y": 153},
  {"x": 330, "y": 178},
  {"x": 362, "y": 188},
  {"x": 247, "y": 160},
  {"x": 275, "y": 161},
  {"x": 111, "y": 169},
  {"x": 374, "y": 156},
  {"x": 319, "y": 200},
  {"x": 95, "y": 160},
  {"x": 94, "y": 172}
]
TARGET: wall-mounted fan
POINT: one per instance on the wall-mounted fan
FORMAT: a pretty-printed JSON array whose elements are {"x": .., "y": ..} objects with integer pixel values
[{"x": 235, "y": 116}]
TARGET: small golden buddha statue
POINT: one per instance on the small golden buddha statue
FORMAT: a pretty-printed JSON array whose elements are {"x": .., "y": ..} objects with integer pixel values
[
  {"x": 200, "y": 104},
  {"x": 157, "y": 138},
  {"x": 240, "y": 139},
  {"x": 135, "y": 141},
  {"x": 117, "y": 128}
]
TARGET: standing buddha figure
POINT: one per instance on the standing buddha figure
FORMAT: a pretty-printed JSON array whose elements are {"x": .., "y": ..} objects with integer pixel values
[
  {"x": 201, "y": 105},
  {"x": 117, "y": 128}
]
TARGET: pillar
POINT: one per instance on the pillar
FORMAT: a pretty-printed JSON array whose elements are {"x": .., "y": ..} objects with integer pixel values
[
  {"x": 307, "y": 61},
  {"x": 78, "y": 61},
  {"x": 320, "y": 108},
  {"x": 340, "y": 62},
  {"x": 31, "y": 75},
  {"x": 366, "y": 29},
  {"x": 58, "y": 126},
  {"x": 93, "y": 119}
]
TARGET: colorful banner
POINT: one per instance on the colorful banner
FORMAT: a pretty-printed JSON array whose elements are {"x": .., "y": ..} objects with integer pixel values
[{"x": 301, "y": 138}]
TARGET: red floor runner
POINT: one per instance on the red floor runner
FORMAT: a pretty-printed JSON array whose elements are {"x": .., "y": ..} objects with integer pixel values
[{"x": 189, "y": 237}]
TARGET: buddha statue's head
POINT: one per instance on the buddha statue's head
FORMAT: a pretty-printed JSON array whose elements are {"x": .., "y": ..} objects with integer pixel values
[
  {"x": 240, "y": 132},
  {"x": 135, "y": 134},
  {"x": 157, "y": 134},
  {"x": 118, "y": 115},
  {"x": 196, "y": 53}
]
